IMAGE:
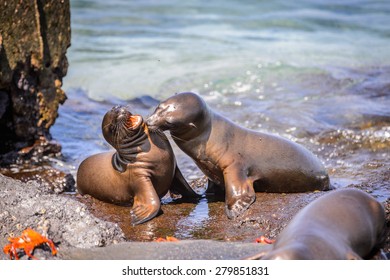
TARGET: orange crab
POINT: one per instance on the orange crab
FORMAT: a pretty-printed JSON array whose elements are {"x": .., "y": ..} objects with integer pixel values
[
  {"x": 167, "y": 239},
  {"x": 264, "y": 240},
  {"x": 27, "y": 241}
]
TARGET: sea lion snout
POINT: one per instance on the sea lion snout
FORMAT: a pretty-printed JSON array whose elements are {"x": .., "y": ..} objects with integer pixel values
[
  {"x": 152, "y": 121},
  {"x": 120, "y": 113},
  {"x": 158, "y": 120},
  {"x": 117, "y": 113},
  {"x": 178, "y": 113}
]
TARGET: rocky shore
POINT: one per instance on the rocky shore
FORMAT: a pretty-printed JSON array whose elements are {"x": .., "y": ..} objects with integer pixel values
[
  {"x": 78, "y": 234},
  {"x": 67, "y": 222},
  {"x": 80, "y": 226}
]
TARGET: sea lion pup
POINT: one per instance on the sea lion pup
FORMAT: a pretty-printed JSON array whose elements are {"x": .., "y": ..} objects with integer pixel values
[
  {"x": 235, "y": 158},
  {"x": 142, "y": 169},
  {"x": 343, "y": 224}
]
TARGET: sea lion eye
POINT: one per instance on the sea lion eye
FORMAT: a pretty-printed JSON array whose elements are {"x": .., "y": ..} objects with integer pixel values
[{"x": 171, "y": 108}]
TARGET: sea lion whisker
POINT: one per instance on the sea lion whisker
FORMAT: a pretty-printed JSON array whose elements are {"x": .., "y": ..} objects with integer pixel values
[
  {"x": 115, "y": 140},
  {"x": 160, "y": 133},
  {"x": 117, "y": 136},
  {"x": 155, "y": 130},
  {"x": 107, "y": 125},
  {"x": 151, "y": 128},
  {"x": 178, "y": 138}
]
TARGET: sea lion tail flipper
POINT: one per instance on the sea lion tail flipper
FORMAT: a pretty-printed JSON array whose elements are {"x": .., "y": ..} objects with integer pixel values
[
  {"x": 180, "y": 185},
  {"x": 239, "y": 195},
  {"x": 146, "y": 203}
]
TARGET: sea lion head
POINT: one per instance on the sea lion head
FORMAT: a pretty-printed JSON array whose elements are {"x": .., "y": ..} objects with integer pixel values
[
  {"x": 120, "y": 123},
  {"x": 179, "y": 113}
]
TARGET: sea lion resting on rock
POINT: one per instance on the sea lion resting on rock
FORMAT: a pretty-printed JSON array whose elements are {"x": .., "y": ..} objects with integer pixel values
[
  {"x": 142, "y": 169},
  {"x": 343, "y": 224},
  {"x": 235, "y": 158}
]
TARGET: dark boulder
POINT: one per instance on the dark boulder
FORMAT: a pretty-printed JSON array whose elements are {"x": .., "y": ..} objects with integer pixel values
[{"x": 34, "y": 37}]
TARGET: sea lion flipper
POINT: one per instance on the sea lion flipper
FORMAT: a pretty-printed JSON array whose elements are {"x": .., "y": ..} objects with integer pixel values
[
  {"x": 180, "y": 185},
  {"x": 146, "y": 203},
  {"x": 239, "y": 194}
]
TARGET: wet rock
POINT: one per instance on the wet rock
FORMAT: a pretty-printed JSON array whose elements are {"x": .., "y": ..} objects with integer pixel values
[
  {"x": 64, "y": 220},
  {"x": 4, "y": 103},
  {"x": 38, "y": 163},
  {"x": 374, "y": 83},
  {"x": 34, "y": 37},
  {"x": 48, "y": 178},
  {"x": 38, "y": 152},
  {"x": 206, "y": 219}
]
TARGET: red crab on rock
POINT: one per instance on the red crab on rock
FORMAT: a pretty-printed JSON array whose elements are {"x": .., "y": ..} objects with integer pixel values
[{"x": 27, "y": 241}]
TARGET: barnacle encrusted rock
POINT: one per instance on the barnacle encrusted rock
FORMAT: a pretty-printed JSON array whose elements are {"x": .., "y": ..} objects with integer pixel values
[{"x": 34, "y": 37}]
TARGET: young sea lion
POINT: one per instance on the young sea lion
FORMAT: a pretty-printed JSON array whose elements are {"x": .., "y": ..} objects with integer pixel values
[
  {"x": 142, "y": 169},
  {"x": 343, "y": 224},
  {"x": 234, "y": 157}
]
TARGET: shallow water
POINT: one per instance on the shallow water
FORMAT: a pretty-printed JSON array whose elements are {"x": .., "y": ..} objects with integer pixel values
[{"x": 316, "y": 72}]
